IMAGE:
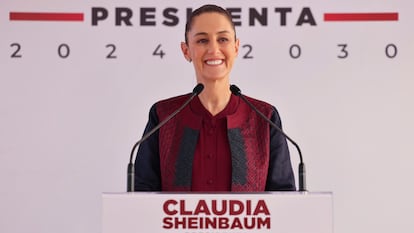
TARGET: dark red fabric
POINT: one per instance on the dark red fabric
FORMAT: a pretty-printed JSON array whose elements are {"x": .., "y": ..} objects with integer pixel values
[
  {"x": 254, "y": 131},
  {"x": 250, "y": 141},
  {"x": 170, "y": 136},
  {"x": 212, "y": 158}
]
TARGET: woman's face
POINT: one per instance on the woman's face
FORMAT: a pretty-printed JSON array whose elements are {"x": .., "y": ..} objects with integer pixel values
[{"x": 211, "y": 47}]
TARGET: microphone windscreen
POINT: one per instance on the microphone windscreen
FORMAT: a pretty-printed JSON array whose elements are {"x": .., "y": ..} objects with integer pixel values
[
  {"x": 198, "y": 89},
  {"x": 235, "y": 90}
]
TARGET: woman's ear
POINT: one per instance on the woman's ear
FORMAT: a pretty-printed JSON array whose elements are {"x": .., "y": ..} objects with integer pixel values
[
  {"x": 184, "y": 49},
  {"x": 237, "y": 44}
]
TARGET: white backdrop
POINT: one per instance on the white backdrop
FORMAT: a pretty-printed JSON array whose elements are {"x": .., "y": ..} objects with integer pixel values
[{"x": 69, "y": 115}]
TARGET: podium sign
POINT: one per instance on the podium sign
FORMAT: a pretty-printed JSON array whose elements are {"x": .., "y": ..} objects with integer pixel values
[{"x": 284, "y": 212}]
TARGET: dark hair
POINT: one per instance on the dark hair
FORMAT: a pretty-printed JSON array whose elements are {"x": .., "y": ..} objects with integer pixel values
[{"x": 207, "y": 9}]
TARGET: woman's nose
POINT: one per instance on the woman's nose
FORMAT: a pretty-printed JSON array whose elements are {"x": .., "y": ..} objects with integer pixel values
[{"x": 213, "y": 47}]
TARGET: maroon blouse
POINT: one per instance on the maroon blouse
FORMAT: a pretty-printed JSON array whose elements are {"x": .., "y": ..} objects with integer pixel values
[{"x": 212, "y": 158}]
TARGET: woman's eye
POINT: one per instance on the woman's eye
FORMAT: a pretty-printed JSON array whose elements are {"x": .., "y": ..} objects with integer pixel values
[
  {"x": 223, "y": 40},
  {"x": 202, "y": 41}
]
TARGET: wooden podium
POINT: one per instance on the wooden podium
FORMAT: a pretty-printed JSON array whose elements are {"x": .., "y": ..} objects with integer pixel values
[{"x": 275, "y": 212}]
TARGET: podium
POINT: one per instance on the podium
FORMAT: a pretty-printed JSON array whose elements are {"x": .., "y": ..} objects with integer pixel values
[{"x": 275, "y": 212}]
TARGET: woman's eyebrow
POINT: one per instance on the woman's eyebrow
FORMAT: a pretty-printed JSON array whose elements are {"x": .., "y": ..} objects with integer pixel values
[{"x": 205, "y": 33}]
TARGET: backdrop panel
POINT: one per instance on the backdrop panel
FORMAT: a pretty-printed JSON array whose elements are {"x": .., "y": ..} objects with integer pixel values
[{"x": 75, "y": 91}]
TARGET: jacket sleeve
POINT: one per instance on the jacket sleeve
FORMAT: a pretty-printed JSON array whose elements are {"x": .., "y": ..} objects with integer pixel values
[
  {"x": 147, "y": 161},
  {"x": 280, "y": 175}
]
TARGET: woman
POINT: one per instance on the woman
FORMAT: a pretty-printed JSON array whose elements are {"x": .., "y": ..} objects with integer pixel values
[{"x": 216, "y": 143}]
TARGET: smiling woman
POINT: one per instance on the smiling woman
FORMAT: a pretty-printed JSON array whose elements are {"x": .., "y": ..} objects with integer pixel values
[
  {"x": 212, "y": 46},
  {"x": 217, "y": 142}
]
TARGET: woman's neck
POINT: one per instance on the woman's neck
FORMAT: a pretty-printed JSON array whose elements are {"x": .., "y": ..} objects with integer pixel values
[{"x": 215, "y": 97}]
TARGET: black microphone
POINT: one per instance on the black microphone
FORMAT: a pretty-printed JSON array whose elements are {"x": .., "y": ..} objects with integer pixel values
[
  {"x": 131, "y": 168},
  {"x": 302, "y": 173}
]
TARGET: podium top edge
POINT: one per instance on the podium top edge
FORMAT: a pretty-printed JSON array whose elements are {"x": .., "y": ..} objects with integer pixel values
[{"x": 279, "y": 193}]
